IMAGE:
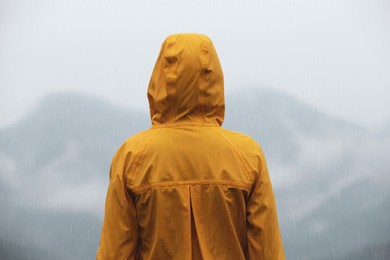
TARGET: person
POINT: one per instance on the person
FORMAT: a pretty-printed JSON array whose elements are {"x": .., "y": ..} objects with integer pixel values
[{"x": 187, "y": 188}]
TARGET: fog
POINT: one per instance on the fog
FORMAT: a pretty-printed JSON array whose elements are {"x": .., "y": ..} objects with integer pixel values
[
  {"x": 333, "y": 55},
  {"x": 309, "y": 80}
]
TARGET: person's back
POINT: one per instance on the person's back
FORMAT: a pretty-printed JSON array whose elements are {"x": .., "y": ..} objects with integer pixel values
[{"x": 187, "y": 188}]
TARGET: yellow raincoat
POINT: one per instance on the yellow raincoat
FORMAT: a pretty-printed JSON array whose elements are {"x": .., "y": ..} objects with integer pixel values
[{"x": 187, "y": 188}]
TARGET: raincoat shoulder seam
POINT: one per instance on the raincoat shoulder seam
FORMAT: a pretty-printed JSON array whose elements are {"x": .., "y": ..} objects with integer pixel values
[
  {"x": 138, "y": 158},
  {"x": 246, "y": 168}
]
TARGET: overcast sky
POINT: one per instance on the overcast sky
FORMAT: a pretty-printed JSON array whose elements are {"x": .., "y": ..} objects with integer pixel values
[{"x": 333, "y": 55}]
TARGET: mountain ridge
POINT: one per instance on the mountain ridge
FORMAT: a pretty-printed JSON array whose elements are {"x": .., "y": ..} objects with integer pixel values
[{"x": 65, "y": 145}]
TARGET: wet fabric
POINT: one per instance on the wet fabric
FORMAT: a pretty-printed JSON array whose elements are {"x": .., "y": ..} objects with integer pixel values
[{"x": 187, "y": 188}]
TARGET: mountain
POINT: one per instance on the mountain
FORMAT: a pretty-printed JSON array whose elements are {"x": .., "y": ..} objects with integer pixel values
[
  {"x": 54, "y": 167},
  {"x": 14, "y": 251},
  {"x": 329, "y": 176},
  {"x": 372, "y": 252},
  {"x": 323, "y": 170}
]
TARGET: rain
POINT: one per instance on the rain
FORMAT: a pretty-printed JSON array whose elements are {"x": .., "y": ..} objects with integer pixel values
[{"x": 308, "y": 80}]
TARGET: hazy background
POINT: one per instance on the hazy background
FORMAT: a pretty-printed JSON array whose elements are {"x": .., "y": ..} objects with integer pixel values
[
  {"x": 333, "y": 55},
  {"x": 309, "y": 80}
]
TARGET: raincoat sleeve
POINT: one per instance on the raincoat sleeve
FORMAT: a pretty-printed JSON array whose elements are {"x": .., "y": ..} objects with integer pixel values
[
  {"x": 119, "y": 236},
  {"x": 263, "y": 234}
]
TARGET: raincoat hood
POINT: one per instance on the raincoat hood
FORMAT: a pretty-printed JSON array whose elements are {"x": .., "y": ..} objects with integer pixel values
[{"x": 186, "y": 86}]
